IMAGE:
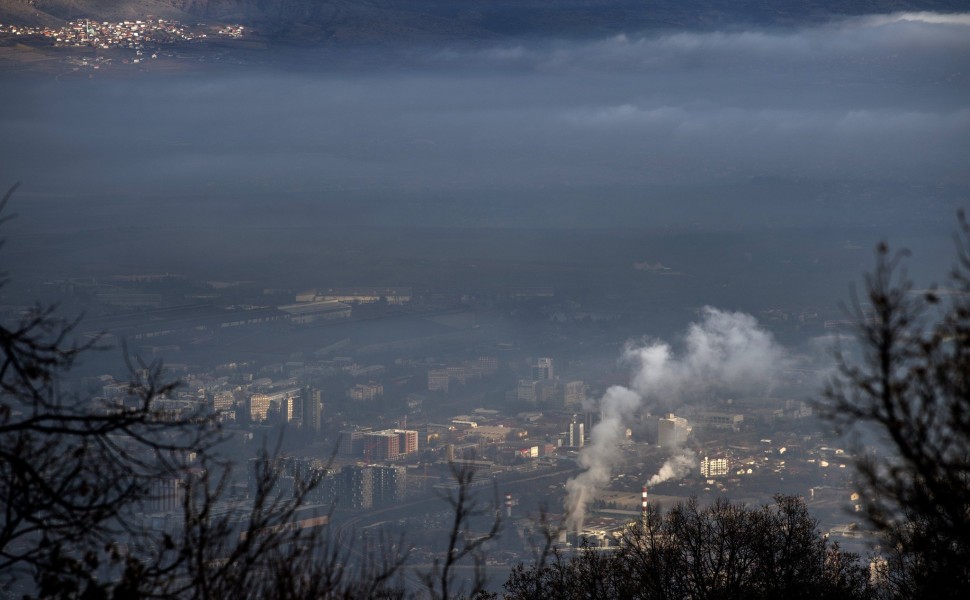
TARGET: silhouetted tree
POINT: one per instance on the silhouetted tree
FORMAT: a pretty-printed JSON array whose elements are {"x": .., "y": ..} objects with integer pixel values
[
  {"x": 724, "y": 551},
  {"x": 463, "y": 543},
  {"x": 908, "y": 395},
  {"x": 76, "y": 470},
  {"x": 71, "y": 465},
  {"x": 281, "y": 548}
]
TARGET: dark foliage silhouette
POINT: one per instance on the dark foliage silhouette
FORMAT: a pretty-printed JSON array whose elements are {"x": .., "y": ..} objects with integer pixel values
[
  {"x": 908, "y": 395},
  {"x": 723, "y": 551}
]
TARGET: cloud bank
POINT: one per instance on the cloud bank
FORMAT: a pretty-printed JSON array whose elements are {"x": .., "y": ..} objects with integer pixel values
[{"x": 863, "y": 99}]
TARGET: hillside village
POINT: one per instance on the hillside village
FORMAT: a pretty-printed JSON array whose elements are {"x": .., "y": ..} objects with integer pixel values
[{"x": 139, "y": 40}]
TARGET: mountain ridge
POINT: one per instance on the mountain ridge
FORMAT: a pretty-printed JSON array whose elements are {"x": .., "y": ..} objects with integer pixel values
[{"x": 381, "y": 21}]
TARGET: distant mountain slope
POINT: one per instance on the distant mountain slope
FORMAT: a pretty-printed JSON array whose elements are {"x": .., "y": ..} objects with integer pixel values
[
  {"x": 49, "y": 12},
  {"x": 369, "y": 21}
]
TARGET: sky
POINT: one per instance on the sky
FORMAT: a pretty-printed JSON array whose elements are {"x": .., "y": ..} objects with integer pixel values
[{"x": 861, "y": 124}]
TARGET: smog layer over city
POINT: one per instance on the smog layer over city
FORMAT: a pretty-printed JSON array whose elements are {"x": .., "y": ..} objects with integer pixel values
[{"x": 530, "y": 273}]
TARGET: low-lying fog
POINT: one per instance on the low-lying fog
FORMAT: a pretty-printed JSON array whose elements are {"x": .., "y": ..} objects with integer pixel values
[{"x": 862, "y": 123}]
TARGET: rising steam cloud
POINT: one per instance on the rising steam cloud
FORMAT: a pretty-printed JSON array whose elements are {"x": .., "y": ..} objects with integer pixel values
[
  {"x": 598, "y": 458},
  {"x": 676, "y": 467},
  {"x": 726, "y": 350}
]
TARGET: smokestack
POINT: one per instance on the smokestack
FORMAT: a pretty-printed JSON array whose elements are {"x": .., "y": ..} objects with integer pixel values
[
  {"x": 643, "y": 503},
  {"x": 508, "y": 505}
]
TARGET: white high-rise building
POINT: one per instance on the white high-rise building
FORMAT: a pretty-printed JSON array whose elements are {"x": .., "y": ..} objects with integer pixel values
[
  {"x": 438, "y": 380},
  {"x": 714, "y": 467},
  {"x": 576, "y": 434},
  {"x": 574, "y": 393},
  {"x": 527, "y": 391},
  {"x": 672, "y": 431},
  {"x": 312, "y": 409},
  {"x": 543, "y": 370}
]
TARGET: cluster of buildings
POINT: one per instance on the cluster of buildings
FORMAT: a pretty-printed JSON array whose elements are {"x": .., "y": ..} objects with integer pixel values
[
  {"x": 365, "y": 392},
  {"x": 203, "y": 319},
  {"x": 377, "y": 467},
  {"x": 533, "y": 413},
  {"x": 440, "y": 379},
  {"x": 357, "y": 295},
  {"x": 366, "y": 486},
  {"x": 260, "y": 399},
  {"x": 499, "y": 441},
  {"x": 316, "y": 310},
  {"x": 544, "y": 387},
  {"x": 231, "y": 31},
  {"x": 287, "y": 404},
  {"x": 135, "y": 35},
  {"x": 797, "y": 457},
  {"x": 386, "y": 444},
  {"x": 352, "y": 486}
]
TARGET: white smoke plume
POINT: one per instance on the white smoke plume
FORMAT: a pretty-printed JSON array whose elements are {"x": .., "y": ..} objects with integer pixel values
[
  {"x": 727, "y": 350},
  {"x": 599, "y": 456},
  {"x": 676, "y": 467}
]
